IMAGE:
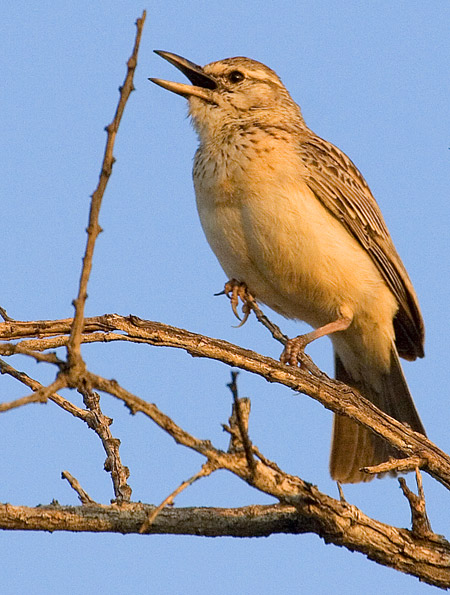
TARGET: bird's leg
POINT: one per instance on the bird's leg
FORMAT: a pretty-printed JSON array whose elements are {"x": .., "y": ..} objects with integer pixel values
[
  {"x": 236, "y": 290},
  {"x": 294, "y": 346}
]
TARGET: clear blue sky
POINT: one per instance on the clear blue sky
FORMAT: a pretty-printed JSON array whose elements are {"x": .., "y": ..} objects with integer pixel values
[{"x": 372, "y": 77}]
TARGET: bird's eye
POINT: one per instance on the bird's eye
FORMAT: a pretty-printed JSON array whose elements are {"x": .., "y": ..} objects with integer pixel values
[{"x": 236, "y": 76}]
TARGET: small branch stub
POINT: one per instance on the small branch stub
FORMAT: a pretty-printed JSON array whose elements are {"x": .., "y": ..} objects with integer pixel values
[
  {"x": 82, "y": 494},
  {"x": 239, "y": 425},
  {"x": 206, "y": 470},
  {"x": 397, "y": 465},
  {"x": 421, "y": 526}
]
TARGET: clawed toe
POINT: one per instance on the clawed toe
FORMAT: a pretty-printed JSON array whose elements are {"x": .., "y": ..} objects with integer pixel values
[
  {"x": 293, "y": 349},
  {"x": 236, "y": 290}
]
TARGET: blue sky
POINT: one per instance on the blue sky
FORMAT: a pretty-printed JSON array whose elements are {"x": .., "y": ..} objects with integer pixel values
[{"x": 370, "y": 77}]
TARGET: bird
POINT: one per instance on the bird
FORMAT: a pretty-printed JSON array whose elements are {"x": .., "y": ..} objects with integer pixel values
[{"x": 290, "y": 217}]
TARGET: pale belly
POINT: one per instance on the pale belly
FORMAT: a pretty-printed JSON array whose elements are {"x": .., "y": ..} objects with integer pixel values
[
  {"x": 292, "y": 253},
  {"x": 298, "y": 259}
]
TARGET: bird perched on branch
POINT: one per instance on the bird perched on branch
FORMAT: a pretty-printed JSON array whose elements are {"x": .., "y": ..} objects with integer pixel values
[{"x": 289, "y": 215}]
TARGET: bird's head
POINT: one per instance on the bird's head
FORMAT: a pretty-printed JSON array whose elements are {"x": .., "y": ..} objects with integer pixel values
[{"x": 230, "y": 93}]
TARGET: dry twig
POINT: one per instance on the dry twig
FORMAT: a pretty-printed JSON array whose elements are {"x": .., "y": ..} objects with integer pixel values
[
  {"x": 421, "y": 526},
  {"x": 4, "y": 315},
  {"x": 206, "y": 470},
  {"x": 75, "y": 484},
  {"x": 73, "y": 347},
  {"x": 239, "y": 421},
  {"x": 333, "y": 395},
  {"x": 397, "y": 465}
]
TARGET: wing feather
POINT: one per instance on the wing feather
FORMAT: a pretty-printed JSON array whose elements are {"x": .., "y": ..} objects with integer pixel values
[{"x": 340, "y": 187}]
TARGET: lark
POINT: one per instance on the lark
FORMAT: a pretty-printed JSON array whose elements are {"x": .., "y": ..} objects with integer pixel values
[{"x": 290, "y": 216}]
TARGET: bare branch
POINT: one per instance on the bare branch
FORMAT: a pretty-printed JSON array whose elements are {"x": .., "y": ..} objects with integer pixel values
[
  {"x": 20, "y": 402},
  {"x": 265, "y": 321},
  {"x": 94, "y": 418},
  {"x": 341, "y": 524},
  {"x": 8, "y": 349},
  {"x": 136, "y": 404},
  {"x": 43, "y": 393},
  {"x": 206, "y": 470},
  {"x": 421, "y": 526},
  {"x": 304, "y": 359},
  {"x": 100, "y": 423},
  {"x": 397, "y": 465},
  {"x": 333, "y": 395},
  {"x": 35, "y": 398},
  {"x": 82, "y": 494},
  {"x": 239, "y": 420},
  {"x": 5, "y": 316},
  {"x": 353, "y": 528},
  {"x": 93, "y": 230}
]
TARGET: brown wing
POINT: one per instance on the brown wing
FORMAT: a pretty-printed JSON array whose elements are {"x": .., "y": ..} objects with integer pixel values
[{"x": 340, "y": 187}]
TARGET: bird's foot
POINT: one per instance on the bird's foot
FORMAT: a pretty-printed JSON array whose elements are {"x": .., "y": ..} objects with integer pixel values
[
  {"x": 293, "y": 349},
  {"x": 236, "y": 291}
]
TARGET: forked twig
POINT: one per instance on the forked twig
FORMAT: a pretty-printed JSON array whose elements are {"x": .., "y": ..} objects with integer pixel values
[
  {"x": 421, "y": 526},
  {"x": 34, "y": 398}
]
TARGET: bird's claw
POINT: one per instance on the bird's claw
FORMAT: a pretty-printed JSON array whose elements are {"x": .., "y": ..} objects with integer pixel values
[
  {"x": 235, "y": 291},
  {"x": 293, "y": 349}
]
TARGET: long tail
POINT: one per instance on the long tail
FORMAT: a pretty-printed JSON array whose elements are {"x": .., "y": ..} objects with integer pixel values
[{"x": 354, "y": 446}]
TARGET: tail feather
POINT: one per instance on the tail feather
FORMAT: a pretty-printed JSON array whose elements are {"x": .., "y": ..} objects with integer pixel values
[{"x": 354, "y": 446}]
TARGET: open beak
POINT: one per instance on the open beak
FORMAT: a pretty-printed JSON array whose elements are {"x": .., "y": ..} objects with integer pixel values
[{"x": 202, "y": 84}]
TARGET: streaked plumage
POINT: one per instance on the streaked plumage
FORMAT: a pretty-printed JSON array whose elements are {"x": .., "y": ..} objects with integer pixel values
[{"x": 290, "y": 215}]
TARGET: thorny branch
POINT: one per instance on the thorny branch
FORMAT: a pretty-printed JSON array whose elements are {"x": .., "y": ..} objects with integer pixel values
[
  {"x": 333, "y": 395},
  {"x": 303, "y": 508},
  {"x": 73, "y": 373},
  {"x": 426, "y": 556},
  {"x": 73, "y": 347},
  {"x": 100, "y": 423}
]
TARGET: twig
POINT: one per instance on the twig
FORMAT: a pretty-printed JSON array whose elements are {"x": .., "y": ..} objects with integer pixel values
[
  {"x": 333, "y": 395},
  {"x": 315, "y": 511},
  {"x": 271, "y": 464},
  {"x": 397, "y": 465},
  {"x": 5, "y": 316},
  {"x": 95, "y": 419},
  {"x": 82, "y": 494},
  {"x": 265, "y": 321},
  {"x": 421, "y": 526},
  {"x": 20, "y": 402},
  {"x": 136, "y": 404},
  {"x": 8, "y": 349},
  {"x": 305, "y": 360},
  {"x": 100, "y": 424},
  {"x": 206, "y": 470},
  {"x": 43, "y": 393},
  {"x": 239, "y": 418},
  {"x": 341, "y": 492},
  {"x": 76, "y": 364},
  {"x": 36, "y": 386}
]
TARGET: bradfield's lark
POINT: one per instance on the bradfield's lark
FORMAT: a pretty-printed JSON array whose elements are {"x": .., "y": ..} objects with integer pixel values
[{"x": 289, "y": 215}]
